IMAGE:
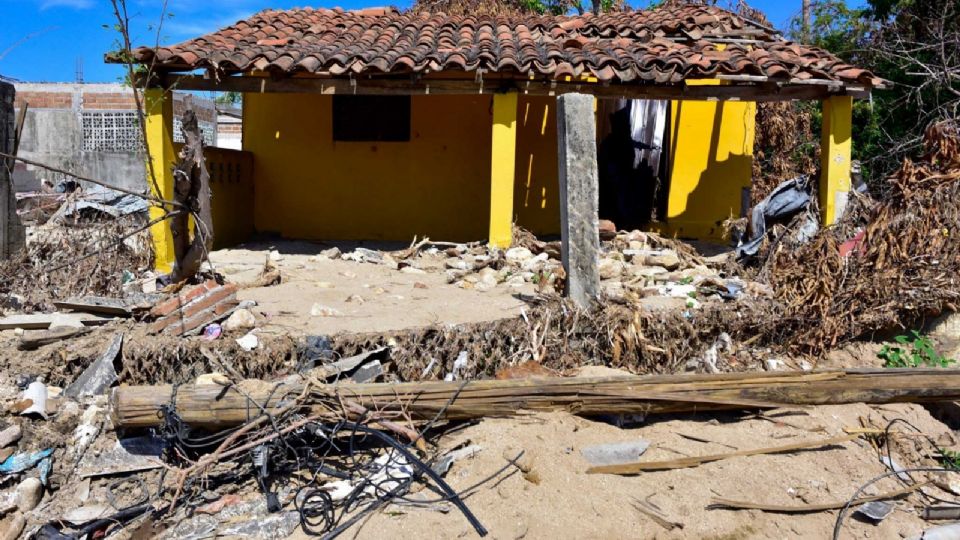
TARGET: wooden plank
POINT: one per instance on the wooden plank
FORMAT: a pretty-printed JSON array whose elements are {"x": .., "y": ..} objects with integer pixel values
[
  {"x": 217, "y": 407},
  {"x": 36, "y": 321},
  {"x": 728, "y": 504},
  {"x": 424, "y": 86},
  {"x": 34, "y": 339},
  {"x": 696, "y": 461},
  {"x": 96, "y": 304}
]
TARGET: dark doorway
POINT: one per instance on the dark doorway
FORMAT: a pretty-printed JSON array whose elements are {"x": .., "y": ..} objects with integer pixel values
[{"x": 632, "y": 161}]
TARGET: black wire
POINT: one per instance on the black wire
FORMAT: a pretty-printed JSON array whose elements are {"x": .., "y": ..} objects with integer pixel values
[
  {"x": 838, "y": 524},
  {"x": 425, "y": 469}
]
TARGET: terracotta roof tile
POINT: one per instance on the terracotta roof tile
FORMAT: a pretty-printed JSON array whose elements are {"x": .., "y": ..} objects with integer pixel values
[{"x": 664, "y": 45}]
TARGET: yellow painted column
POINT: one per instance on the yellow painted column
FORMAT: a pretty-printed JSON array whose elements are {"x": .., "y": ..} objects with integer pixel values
[
  {"x": 835, "y": 145},
  {"x": 158, "y": 107},
  {"x": 502, "y": 164}
]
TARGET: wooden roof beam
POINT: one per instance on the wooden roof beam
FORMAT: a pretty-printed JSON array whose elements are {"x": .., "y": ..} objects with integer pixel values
[{"x": 759, "y": 91}]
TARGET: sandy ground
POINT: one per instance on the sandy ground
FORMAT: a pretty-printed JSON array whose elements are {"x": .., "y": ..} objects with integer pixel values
[
  {"x": 391, "y": 300},
  {"x": 567, "y": 503}
]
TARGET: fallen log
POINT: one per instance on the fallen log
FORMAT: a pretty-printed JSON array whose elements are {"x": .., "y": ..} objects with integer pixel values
[{"x": 220, "y": 407}]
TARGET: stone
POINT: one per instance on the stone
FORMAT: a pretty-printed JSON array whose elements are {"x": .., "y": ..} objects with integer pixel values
[
  {"x": 607, "y": 229},
  {"x": 515, "y": 281},
  {"x": 535, "y": 264},
  {"x": 10, "y": 435},
  {"x": 489, "y": 276},
  {"x": 458, "y": 264},
  {"x": 319, "y": 310},
  {"x": 355, "y": 298},
  {"x": 636, "y": 245},
  {"x": 518, "y": 255},
  {"x": 332, "y": 253},
  {"x": 667, "y": 259},
  {"x": 646, "y": 271},
  {"x": 610, "y": 268},
  {"x": 463, "y": 284},
  {"x": 29, "y": 493},
  {"x": 412, "y": 270},
  {"x": 241, "y": 319},
  {"x": 324, "y": 284},
  {"x": 275, "y": 256},
  {"x": 662, "y": 303},
  {"x": 636, "y": 236},
  {"x": 947, "y": 325},
  {"x": 579, "y": 197},
  {"x": 774, "y": 364}
]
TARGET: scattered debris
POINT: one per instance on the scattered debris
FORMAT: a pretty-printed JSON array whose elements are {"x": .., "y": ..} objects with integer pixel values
[{"x": 100, "y": 375}]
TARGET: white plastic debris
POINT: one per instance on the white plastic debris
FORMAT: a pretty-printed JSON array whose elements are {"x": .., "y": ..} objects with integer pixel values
[
  {"x": 459, "y": 365},
  {"x": 248, "y": 342},
  {"x": 391, "y": 469},
  {"x": 37, "y": 393}
]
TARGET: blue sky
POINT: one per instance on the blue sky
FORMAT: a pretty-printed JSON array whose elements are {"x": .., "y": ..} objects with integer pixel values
[{"x": 42, "y": 40}]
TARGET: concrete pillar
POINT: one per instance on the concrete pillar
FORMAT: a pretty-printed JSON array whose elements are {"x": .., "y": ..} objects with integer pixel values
[
  {"x": 12, "y": 233},
  {"x": 579, "y": 196},
  {"x": 503, "y": 157},
  {"x": 835, "y": 147},
  {"x": 159, "y": 119}
]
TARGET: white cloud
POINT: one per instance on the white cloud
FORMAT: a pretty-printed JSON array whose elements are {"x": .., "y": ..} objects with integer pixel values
[{"x": 75, "y": 4}]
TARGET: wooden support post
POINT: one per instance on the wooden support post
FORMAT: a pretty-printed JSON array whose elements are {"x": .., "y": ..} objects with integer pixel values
[
  {"x": 835, "y": 147},
  {"x": 579, "y": 196},
  {"x": 159, "y": 119},
  {"x": 503, "y": 157},
  {"x": 12, "y": 233}
]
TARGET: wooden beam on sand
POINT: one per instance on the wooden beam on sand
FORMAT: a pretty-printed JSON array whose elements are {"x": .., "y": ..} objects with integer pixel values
[{"x": 217, "y": 407}]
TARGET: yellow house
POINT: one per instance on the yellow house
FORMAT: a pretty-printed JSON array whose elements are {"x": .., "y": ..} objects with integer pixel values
[{"x": 381, "y": 125}]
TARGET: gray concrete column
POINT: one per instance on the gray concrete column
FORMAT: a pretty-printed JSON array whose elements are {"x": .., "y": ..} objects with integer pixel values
[
  {"x": 579, "y": 196},
  {"x": 12, "y": 237}
]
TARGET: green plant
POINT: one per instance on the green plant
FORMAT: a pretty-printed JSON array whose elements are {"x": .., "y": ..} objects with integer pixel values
[
  {"x": 921, "y": 353},
  {"x": 949, "y": 459}
]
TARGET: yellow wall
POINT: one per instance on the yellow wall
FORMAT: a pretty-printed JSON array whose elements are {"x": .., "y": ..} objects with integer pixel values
[
  {"x": 438, "y": 184},
  {"x": 711, "y": 163},
  {"x": 308, "y": 186},
  {"x": 536, "y": 200}
]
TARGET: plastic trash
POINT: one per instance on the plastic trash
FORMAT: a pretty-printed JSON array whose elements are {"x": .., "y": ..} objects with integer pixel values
[
  {"x": 212, "y": 332},
  {"x": 20, "y": 462}
]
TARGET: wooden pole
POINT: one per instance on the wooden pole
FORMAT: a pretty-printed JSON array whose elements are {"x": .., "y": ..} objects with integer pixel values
[
  {"x": 220, "y": 407},
  {"x": 12, "y": 232}
]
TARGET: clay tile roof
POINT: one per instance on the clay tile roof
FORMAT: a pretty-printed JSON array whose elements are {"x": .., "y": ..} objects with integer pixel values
[{"x": 663, "y": 46}]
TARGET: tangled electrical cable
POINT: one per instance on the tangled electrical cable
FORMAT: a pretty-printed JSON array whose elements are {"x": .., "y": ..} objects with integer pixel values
[
  {"x": 901, "y": 474},
  {"x": 289, "y": 452}
]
